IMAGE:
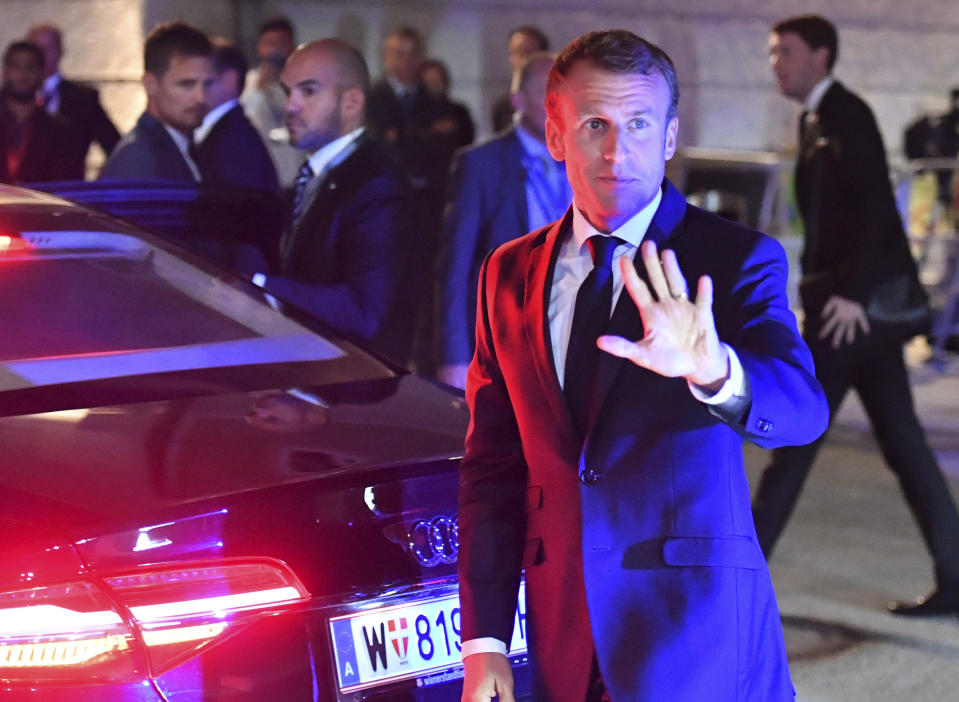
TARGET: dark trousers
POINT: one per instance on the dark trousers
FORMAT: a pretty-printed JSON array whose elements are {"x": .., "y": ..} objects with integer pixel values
[{"x": 878, "y": 374}]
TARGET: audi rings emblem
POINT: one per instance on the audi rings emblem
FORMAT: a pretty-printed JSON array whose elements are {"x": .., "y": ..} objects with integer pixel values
[{"x": 435, "y": 541}]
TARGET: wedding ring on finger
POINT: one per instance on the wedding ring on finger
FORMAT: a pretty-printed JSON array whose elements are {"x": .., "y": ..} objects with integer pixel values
[{"x": 684, "y": 295}]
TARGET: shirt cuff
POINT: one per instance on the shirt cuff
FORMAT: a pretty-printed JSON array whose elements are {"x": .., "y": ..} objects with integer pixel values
[
  {"x": 735, "y": 385},
  {"x": 485, "y": 644}
]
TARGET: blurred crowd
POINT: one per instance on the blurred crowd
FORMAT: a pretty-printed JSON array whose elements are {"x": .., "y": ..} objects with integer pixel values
[{"x": 373, "y": 209}]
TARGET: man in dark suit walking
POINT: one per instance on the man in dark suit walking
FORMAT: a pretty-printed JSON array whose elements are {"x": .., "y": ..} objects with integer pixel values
[
  {"x": 615, "y": 480},
  {"x": 344, "y": 257},
  {"x": 854, "y": 239},
  {"x": 178, "y": 74},
  {"x": 77, "y": 104},
  {"x": 498, "y": 189},
  {"x": 230, "y": 151}
]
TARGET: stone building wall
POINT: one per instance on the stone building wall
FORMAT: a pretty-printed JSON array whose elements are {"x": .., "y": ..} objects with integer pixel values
[{"x": 901, "y": 56}]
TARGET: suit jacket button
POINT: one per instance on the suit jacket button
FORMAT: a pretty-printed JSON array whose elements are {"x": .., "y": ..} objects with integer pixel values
[{"x": 590, "y": 476}]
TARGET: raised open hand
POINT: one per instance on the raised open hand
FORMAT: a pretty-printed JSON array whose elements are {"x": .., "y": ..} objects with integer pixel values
[{"x": 681, "y": 338}]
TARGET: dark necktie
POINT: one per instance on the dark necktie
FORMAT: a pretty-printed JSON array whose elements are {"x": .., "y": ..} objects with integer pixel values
[
  {"x": 590, "y": 318},
  {"x": 303, "y": 177},
  {"x": 802, "y": 127}
]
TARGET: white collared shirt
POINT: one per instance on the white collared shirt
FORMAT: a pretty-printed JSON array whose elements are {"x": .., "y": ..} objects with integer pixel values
[
  {"x": 323, "y": 156},
  {"x": 183, "y": 145},
  {"x": 575, "y": 262},
  {"x": 811, "y": 103},
  {"x": 212, "y": 117}
]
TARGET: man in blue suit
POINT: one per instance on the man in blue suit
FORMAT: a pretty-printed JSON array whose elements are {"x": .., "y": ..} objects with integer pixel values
[
  {"x": 616, "y": 480},
  {"x": 498, "y": 189},
  {"x": 230, "y": 152},
  {"x": 178, "y": 74}
]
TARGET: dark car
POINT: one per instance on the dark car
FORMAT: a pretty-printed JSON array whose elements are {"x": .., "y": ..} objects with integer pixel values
[{"x": 204, "y": 498}]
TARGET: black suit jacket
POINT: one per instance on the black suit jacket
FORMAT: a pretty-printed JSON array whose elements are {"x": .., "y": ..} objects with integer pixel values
[
  {"x": 50, "y": 154},
  {"x": 80, "y": 107},
  {"x": 347, "y": 263},
  {"x": 233, "y": 154},
  {"x": 425, "y": 154},
  {"x": 147, "y": 153},
  {"x": 854, "y": 236}
]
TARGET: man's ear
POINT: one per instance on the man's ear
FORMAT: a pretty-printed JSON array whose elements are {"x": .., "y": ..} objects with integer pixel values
[
  {"x": 150, "y": 83},
  {"x": 554, "y": 139},
  {"x": 821, "y": 57},
  {"x": 672, "y": 129},
  {"x": 352, "y": 103}
]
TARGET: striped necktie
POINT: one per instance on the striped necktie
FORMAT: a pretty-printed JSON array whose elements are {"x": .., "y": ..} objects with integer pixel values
[{"x": 303, "y": 178}]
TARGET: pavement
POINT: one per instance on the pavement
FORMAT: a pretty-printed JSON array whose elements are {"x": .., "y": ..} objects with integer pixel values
[{"x": 851, "y": 547}]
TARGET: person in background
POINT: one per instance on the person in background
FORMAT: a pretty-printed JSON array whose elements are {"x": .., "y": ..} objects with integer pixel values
[
  {"x": 486, "y": 208},
  {"x": 178, "y": 75},
  {"x": 521, "y": 42},
  {"x": 34, "y": 145},
  {"x": 604, "y": 459},
  {"x": 229, "y": 150},
  {"x": 454, "y": 117},
  {"x": 404, "y": 115},
  {"x": 854, "y": 241},
  {"x": 344, "y": 257},
  {"x": 77, "y": 104},
  {"x": 263, "y": 98}
]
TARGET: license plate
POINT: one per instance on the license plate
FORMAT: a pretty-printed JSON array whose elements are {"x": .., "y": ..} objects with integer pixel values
[{"x": 386, "y": 643}]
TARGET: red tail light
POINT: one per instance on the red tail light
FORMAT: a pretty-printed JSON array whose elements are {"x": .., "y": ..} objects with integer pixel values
[
  {"x": 12, "y": 245},
  {"x": 131, "y": 625}
]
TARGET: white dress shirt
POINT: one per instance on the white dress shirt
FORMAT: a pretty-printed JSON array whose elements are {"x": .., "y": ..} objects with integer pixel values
[
  {"x": 811, "y": 103},
  {"x": 212, "y": 117}
]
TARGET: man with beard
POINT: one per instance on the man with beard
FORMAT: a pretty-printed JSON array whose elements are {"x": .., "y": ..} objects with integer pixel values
[
  {"x": 178, "y": 74},
  {"x": 35, "y": 145},
  {"x": 344, "y": 256}
]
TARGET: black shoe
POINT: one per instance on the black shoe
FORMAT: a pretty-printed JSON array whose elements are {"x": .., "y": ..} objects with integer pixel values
[{"x": 940, "y": 601}]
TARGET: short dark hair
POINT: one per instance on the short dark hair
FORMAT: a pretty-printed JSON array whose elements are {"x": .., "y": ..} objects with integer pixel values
[
  {"x": 277, "y": 24},
  {"x": 228, "y": 57},
  {"x": 615, "y": 51},
  {"x": 535, "y": 33},
  {"x": 173, "y": 38},
  {"x": 816, "y": 31},
  {"x": 410, "y": 34},
  {"x": 26, "y": 47}
]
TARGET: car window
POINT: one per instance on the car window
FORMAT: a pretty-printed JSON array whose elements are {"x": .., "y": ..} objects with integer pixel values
[{"x": 87, "y": 305}]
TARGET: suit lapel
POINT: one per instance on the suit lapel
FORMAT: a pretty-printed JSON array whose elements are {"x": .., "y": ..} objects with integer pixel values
[
  {"x": 626, "y": 321},
  {"x": 539, "y": 279}
]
